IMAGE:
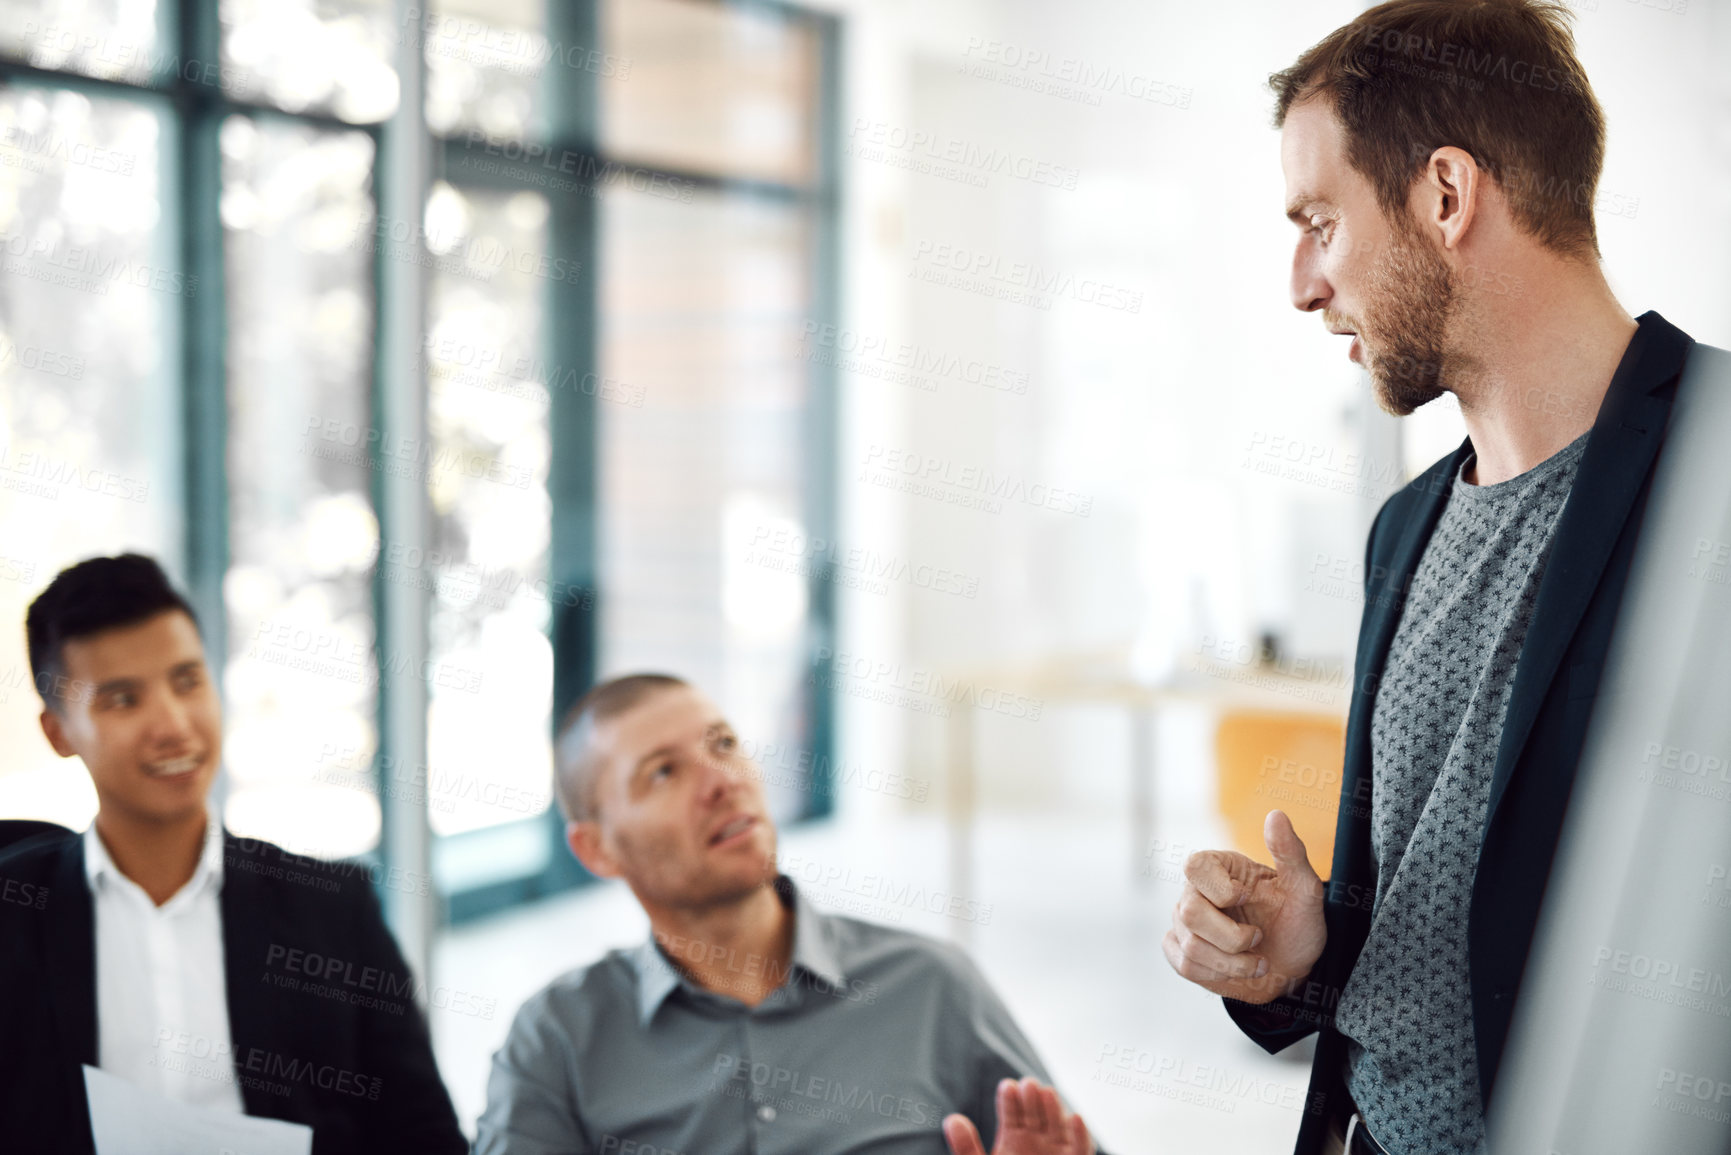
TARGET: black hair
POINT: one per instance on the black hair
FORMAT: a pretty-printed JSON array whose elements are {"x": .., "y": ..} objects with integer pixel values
[{"x": 97, "y": 594}]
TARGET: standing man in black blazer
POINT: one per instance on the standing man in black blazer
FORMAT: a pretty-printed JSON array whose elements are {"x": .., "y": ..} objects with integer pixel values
[
  {"x": 1441, "y": 161},
  {"x": 209, "y": 969}
]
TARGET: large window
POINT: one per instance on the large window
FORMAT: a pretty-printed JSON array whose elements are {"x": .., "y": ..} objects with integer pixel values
[
  {"x": 664, "y": 161},
  {"x": 302, "y": 677},
  {"x": 704, "y": 290},
  {"x": 182, "y": 201},
  {"x": 629, "y": 218},
  {"x": 700, "y": 303},
  {"x": 91, "y": 296}
]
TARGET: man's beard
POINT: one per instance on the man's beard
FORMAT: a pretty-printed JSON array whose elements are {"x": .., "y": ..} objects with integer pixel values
[
  {"x": 659, "y": 872},
  {"x": 1404, "y": 334}
]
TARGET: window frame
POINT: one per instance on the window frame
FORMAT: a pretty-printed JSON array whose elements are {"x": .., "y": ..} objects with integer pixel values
[
  {"x": 191, "y": 176},
  {"x": 574, "y": 234}
]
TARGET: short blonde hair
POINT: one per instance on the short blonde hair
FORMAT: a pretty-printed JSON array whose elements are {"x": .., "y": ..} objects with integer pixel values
[{"x": 573, "y": 745}]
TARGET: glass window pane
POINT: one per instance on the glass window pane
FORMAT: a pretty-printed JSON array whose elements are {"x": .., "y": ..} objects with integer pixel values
[
  {"x": 90, "y": 431},
  {"x": 700, "y": 303},
  {"x": 486, "y": 64},
  {"x": 111, "y": 39},
  {"x": 489, "y": 747},
  {"x": 708, "y": 88},
  {"x": 333, "y": 56},
  {"x": 302, "y": 674}
]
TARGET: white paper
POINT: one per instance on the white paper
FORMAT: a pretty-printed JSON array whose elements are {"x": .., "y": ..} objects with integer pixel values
[{"x": 128, "y": 1120}]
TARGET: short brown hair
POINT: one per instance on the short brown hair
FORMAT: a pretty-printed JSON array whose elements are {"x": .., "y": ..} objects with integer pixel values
[
  {"x": 573, "y": 758},
  {"x": 1497, "y": 78}
]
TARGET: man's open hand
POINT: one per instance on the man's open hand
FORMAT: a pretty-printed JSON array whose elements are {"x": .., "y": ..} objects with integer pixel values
[
  {"x": 1031, "y": 1121},
  {"x": 1245, "y": 930}
]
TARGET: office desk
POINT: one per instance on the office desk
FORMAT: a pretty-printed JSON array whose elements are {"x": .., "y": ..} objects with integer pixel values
[{"x": 1105, "y": 678}]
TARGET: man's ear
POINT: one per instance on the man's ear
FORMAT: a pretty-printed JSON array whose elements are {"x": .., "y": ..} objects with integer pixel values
[
  {"x": 584, "y": 839},
  {"x": 55, "y": 732},
  {"x": 1452, "y": 193}
]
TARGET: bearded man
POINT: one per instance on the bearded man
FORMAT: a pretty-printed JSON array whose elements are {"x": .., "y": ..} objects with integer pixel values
[
  {"x": 750, "y": 1020},
  {"x": 1441, "y": 161}
]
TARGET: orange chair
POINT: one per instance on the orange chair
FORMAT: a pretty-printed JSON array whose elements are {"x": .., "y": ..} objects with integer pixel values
[{"x": 1274, "y": 760}]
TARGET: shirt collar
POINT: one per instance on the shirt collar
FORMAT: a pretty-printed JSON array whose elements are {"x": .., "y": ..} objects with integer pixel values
[
  {"x": 208, "y": 872},
  {"x": 656, "y": 979},
  {"x": 813, "y": 937},
  {"x": 813, "y": 951}
]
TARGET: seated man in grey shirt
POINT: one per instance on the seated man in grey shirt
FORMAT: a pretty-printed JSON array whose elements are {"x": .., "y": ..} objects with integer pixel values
[{"x": 752, "y": 1021}]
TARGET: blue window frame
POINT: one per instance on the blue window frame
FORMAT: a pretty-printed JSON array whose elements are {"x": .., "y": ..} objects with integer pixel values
[{"x": 630, "y": 207}]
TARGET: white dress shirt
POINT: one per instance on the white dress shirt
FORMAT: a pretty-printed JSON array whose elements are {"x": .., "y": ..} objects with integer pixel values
[{"x": 161, "y": 1001}]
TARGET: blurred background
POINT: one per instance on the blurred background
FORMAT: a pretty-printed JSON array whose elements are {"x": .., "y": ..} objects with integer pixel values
[{"x": 919, "y": 378}]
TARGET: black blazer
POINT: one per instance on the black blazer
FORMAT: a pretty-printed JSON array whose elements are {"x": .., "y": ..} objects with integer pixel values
[
  {"x": 349, "y": 1057},
  {"x": 1556, "y": 679}
]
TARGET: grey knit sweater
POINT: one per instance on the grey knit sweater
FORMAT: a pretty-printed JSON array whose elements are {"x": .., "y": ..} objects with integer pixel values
[{"x": 1435, "y": 727}]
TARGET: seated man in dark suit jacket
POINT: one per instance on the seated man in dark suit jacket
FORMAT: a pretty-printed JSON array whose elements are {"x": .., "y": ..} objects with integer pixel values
[
  {"x": 1431, "y": 228},
  {"x": 169, "y": 953}
]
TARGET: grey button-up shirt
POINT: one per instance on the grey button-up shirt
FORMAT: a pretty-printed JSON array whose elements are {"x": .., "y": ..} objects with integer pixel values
[{"x": 873, "y": 1037}]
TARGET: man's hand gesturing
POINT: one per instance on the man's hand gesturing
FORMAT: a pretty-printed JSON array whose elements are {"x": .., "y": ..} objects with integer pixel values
[
  {"x": 1031, "y": 1121},
  {"x": 1245, "y": 930}
]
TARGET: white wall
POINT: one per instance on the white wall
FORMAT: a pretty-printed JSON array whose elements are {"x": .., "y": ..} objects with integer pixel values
[{"x": 1157, "y": 415}]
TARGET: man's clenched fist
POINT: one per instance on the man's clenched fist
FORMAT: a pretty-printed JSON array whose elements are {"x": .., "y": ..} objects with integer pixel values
[{"x": 1245, "y": 930}]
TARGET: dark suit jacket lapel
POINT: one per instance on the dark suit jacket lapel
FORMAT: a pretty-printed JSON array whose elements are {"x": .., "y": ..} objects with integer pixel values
[
  {"x": 70, "y": 954},
  {"x": 254, "y": 1018},
  {"x": 1620, "y": 451},
  {"x": 1382, "y": 616}
]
